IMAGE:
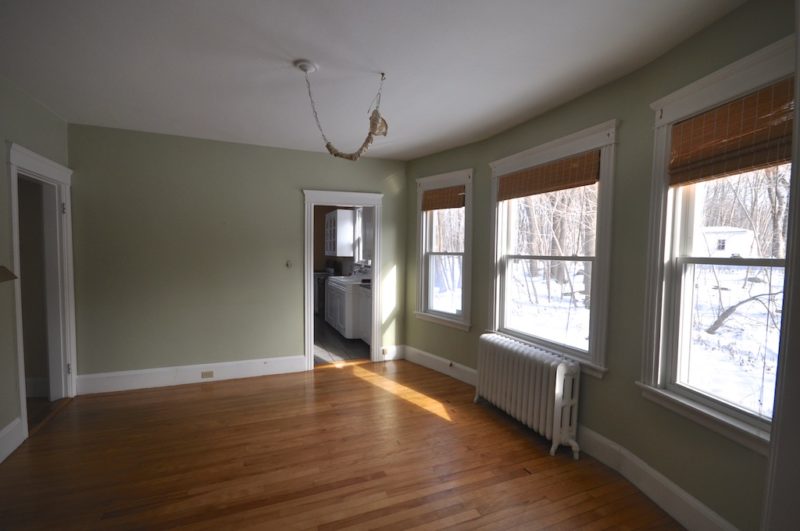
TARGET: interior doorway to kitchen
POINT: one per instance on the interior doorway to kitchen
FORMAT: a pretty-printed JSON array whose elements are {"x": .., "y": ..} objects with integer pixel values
[{"x": 342, "y": 321}]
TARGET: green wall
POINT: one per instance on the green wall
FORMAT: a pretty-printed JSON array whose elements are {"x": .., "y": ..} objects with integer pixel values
[
  {"x": 181, "y": 246},
  {"x": 25, "y": 122},
  {"x": 722, "y": 474}
]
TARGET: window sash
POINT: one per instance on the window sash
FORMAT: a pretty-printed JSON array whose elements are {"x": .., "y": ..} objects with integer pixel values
[
  {"x": 505, "y": 258},
  {"x": 427, "y": 220},
  {"x": 678, "y": 305},
  {"x": 753, "y": 262},
  {"x": 720, "y": 405},
  {"x": 547, "y": 343},
  {"x": 429, "y": 279},
  {"x": 571, "y": 258}
]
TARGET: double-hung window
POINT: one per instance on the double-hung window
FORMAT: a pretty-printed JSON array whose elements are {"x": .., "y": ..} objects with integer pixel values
[
  {"x": 717, "y": 272},
  {"x": 444, "y": 208},
  {"x": 552, "y": 223}
]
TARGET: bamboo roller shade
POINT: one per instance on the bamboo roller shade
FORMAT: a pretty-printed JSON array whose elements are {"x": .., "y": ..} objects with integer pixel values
[
  {"x": 570, "y": 172},
  {"x": 746, "y": 134},
  {"x": 440, "y": 198}
]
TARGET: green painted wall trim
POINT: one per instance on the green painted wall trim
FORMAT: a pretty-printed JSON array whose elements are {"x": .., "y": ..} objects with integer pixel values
[
  {"x": 25, "y": 122},
  {"x": 722, "y": 474},
  {"x": 181, "y": 245}
]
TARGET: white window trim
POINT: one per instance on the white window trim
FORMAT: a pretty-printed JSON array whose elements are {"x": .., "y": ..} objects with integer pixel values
[
  {"x": 434, "y": 182},
  {"x": 744, "y": 76},
  {"x": 603, "y": 137}
]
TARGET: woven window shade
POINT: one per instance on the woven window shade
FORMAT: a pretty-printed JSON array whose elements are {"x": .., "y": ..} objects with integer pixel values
[
  {"x": 578, "y": 170},
  {"x": 451, "y": 197},
  {"x": 746, "y": 134}
]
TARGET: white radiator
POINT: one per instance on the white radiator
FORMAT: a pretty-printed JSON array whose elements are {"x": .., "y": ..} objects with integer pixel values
[{"x": 534, "y": 386}]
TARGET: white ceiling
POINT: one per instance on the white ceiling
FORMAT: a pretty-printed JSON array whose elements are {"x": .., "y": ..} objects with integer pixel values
[{"x": 457, "y": 70}]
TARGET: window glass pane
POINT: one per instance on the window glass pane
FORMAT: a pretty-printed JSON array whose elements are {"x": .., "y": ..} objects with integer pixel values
[
  {"x": 549, "y": 299},
  {"x": 444, "y": 288},
  {"x": 554, "y": 224},
  {"x": 447, "y": 230},
  {"x": 731, "y": 351},
  {"x": 743, "y": 215}
]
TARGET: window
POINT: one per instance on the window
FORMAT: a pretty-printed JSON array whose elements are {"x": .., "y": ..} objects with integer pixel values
[
  {"x": 552, "y": 220},
  {"x": 715, "y": 287},
  {"x": 727, "y": 305},
  {"x": 444, "y": 207}
]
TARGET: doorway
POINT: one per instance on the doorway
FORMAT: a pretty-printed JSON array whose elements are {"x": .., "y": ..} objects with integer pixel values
[
  {"x": 42, "y": 258},
  {"x": 342, "y": 264},
  {"x": 42, "y": 390},
  {"x": 343, "y": 257}
]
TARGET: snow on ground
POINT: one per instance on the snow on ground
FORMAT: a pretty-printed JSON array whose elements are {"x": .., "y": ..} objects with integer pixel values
[
  {"x": 561, "y": 314},
  {"x": 737, "y": 362}
]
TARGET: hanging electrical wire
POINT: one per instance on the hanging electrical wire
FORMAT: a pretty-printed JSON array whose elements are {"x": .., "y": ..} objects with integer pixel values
[{"x": 377, "y": 124}]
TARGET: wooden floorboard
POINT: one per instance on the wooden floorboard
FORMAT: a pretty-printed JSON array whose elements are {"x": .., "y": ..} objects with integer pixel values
[{"x": 365, "y": 446}]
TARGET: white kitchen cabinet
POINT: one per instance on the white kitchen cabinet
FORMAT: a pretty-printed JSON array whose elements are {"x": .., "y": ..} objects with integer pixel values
[
  {"x": 339, "y": 233},
  {"x": 364, "y": 318},
  {"x": 334, "y": 306},
  {"x": 340, "y": 306}
]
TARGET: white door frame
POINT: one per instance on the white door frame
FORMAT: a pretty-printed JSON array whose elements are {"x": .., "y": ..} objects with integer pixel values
[
  {"x": 344, "y": 199},
  {"x": 60, "y": 289}
]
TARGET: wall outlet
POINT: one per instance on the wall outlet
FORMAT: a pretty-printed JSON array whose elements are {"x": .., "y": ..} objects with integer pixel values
[{"x": 207, "y": 374}]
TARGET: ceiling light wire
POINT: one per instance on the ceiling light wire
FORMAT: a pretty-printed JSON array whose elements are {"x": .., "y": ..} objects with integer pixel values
[
  {"x": 314, "y": 110},
  {"x": 377, "y": 124}
]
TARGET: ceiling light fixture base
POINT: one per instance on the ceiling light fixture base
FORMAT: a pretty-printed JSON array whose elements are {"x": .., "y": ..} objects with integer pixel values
[{"x": 305, "y": 65}]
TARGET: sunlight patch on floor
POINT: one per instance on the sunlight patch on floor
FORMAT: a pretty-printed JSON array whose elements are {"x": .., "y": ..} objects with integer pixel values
[{"x": 401, "y": 391}]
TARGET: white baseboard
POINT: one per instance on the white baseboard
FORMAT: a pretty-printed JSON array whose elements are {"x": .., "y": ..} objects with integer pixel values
[
  {"x": 11, "y": 437},
  {"x": 681, "y": 505},
  {"x": 37, "y": 387},
  {"x": 184, "y": 374},
  {"x": 392, "y": 352},
  {"x": 442, "y": 365}
]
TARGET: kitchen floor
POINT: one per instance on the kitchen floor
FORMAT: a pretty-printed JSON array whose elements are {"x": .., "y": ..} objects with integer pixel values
[{"x": 331, "y": 347}]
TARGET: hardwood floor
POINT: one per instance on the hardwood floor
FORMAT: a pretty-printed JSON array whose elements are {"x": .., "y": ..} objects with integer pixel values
[
  {"x": 378, "y": 446},
  {"x": 40, "y": 410}
]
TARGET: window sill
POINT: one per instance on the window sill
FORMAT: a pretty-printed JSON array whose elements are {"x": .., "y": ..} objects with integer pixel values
[
  {"x": 592, "y": 370},
  {"x": 443, "y": 321},
  {"x": 753, "y": 438}
]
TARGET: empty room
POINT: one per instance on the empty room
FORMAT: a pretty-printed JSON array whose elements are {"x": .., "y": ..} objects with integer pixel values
[{"x": 374, "y": 264}]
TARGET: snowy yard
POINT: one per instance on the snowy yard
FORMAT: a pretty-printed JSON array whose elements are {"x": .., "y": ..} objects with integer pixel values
[
  {"x": 736, "y": 362},
  {"x": 555, "y": 311}
]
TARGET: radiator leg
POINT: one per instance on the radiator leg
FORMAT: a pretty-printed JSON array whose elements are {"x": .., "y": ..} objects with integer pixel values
[
  {"x": 553, "y": 448},
  {"x": 477, "y": 397},
  {"x": 575, "y": 448}
]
